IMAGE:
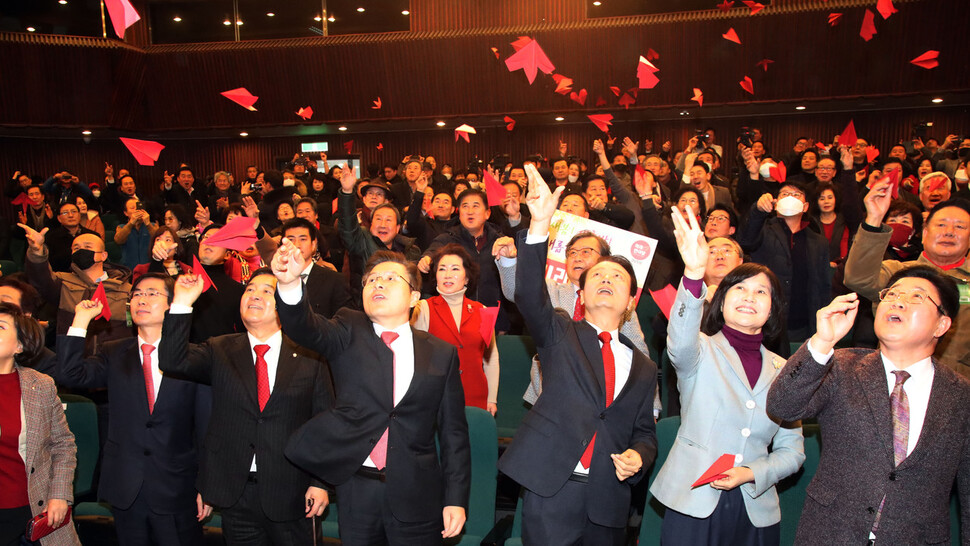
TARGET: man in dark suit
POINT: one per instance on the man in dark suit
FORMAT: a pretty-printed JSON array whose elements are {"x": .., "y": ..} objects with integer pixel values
[
  {"x": 155, "y": 423},
  {"x": 185, "y": 191},
  {"x": 396, "y": 387},
  {"x": 894, "y": 420},
  {"x": 263, "y": 388},
  {"x": 327, "y": 290},
  {"x": 591, "y": 434}
]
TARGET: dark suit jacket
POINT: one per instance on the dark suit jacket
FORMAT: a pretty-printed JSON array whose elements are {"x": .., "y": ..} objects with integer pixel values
[
  {"x": 327, "y": 291},
  {"x": 238, "y": 429},
  {"x": 850, "y": 397},
  {"x": 154, "y": 454},
  {"x": 334, "y": 444},
  {"x": 556, "y": 431}
]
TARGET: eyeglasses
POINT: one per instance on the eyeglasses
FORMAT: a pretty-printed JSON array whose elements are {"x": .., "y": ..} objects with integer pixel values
[
  {"x": 796, "y": 194},
  {"x": 583, "y": 252},
  {"x": 916, "y": 297},
  {"x": 728, "y": 251},
  {"x": 717, "y": 219},
  {"x": 68, "y": 213},
  {"x": 384, "y": 278},
  {"x": 148, "y": 294},
  {"x": 820, "y": 168}
]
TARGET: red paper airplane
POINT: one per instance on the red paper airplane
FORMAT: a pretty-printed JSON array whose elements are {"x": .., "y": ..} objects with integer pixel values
[
  {"x": 145, "y": 151},
  {"x": 834, "y": 18},
  {"x": 602, "y": 121},
  {"x": 238, "y": 234},
  {"x": 755, "y": 6},
  {"x": 530, "y": 59},
  {"x": 747, "y": 85},
  {"x": 731, "y": 36},
  {"x": 563, "y": 84},
  {"x": 305, "y": 113},
  {"x": 495, "y": 51},
  {"x": 626, "y": 101},
  {"x": 927, "y": 60},
  {"x": 633, "y": 91},
  {"x": 647, "y": 74},
  {"x": 489, "y": 316},
  {"x": 521, "y": 42},
  {"x": 652, "y": 55},
  {"x": 885, "y": 8},
  {"x": 509, "y": 123},
  {"x": 123, "y": 15},
  {"x": 698, "y": 96},
  {"x": 725, "y": 5},
  {"x": 871, "y": 153},
  {"x": 868, "y": 29},
  {"x": 935, "y": 182},
  {"x": 894, "y": 177},
  {"x": 99, "y": 295},
  {"x": 763, "y": 63},
  {"x": 779, "y": 172},
  {"x": 600, "y": 101},
  {"x": 716, "y": 471},
  {"x": 664, "y": 298},
  {"x": 579, "y": 97},
  {"x": 242, "y": 97},
  {"x": 463, "y": 130},
  {"x": 349, "y": 145},
  {"x": 200, "y": 272},
  {"x": 380, "y": 145},
  {"x": 848, "y": 136},
  {"x": 493, "y": 190},
  {"x": 615, "y": 90},
  {"x": 377, "y": 104}
]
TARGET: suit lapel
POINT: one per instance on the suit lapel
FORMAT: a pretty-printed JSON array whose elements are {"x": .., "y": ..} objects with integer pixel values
[
  {"x": 422, "y": 361},
  {"x": 385, "y": 365},
  {"x": 285, "y": 368},
  {"x": 732, "y": 356},
  {"x": 938, "y": 409},
  {"x": 768, "y": 370},
  {"x": 242, "y": 360},
  {"x": 872, "y": 376},
  {"x": 594, "y": 357},
  {"x": 28, "y": 386},
  {"x": 636, "y": 369}
]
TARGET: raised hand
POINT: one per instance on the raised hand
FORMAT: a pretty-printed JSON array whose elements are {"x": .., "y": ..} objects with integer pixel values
[
  {"x": 667, "y": 145},
  {"x": 542, "y": 203},
  {"x": 424, "y": 264},
  {"x": 598, "y": 148},
  {"x": 691, "y": 243},
  {"x": 511, "y": 206},
  {"x": 845, "y": 154},
  {"x": 202, "y": 215},
  {"x": 562, "y": 148},
  {"x": 168, "y": 179},
  {"x": 108, "y": 170},
  {"x": 48, "y": 211},
  {"x": 766, "y": 203},
  {"x": 188, "y": 288},
  {"x": 288, "y": 264},
  {"x": 347, "y": 179},
  {"x": 420, "y": 184},
  {"x": 630, "y": 147},
  {"x": 878, "y": 199},
  {"x": 84, "y": 313},
  {"x": 610, "y": 140},
  {"x": 21, "y": 217},
  {"x": 834, "y": 321},
  {"x": 34, "y": 238},
  {"x": 162, "y": 250},
  {"x": 505, "y": 247},
  {"x": 749, "y": 161},
  {"x": 250, "y": 207}
]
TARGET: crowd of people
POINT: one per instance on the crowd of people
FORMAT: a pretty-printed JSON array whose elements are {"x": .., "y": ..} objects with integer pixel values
[{"x": 333, "y": 354}]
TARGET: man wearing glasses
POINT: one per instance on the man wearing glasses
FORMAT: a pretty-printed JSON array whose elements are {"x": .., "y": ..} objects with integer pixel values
[
  {"x": 59, "y": 239},
  {"x": 396, "y": 386},
  {"x": 894, "y": 421}
]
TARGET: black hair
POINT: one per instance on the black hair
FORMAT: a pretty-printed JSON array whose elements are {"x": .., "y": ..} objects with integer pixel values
[
  {"x": 957, "y": 202},
  {"x": 586, "y": 181},
  {"x": 618, "y": 260},
  {"x": 397, "y": 212},
  {"x": 567, "y": 193},
  {"x": 30, "y": 299},
  {"x": 899, "y": 207},
  {"x": 604, "y": 246},
  {"x": 180, "y": 214},
  {"x": 817, "y": 194},
  {"x": 471, "y": 192},
  {"x": 310, "y": 200},
  {"x": 29, "y": 333},
  {"x": 164, "y": 277},
  {"x": 259, "y": 272},
  {"x": 732, "y": 216},
  {"x": 701, "y": 202},
  {"x": 714, "y": 319},
  {"x": 179, "y": 246},
  {"x": 297, "y": 223},
  {"x": 945, "y": 286},
  {"x": 185, "y": 168},
  {"x": 383, "y": 256},
  {"x": 472, "y": 269},
  {"x": 705, "y": 166},
  {"x": 66, "y": 203}
]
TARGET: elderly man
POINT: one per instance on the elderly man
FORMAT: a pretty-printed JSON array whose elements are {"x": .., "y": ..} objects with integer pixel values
[
  {"x": 946, "y": 241},
  {"x": 894, "y": 421},
  {"x": 60, "y": 238}
]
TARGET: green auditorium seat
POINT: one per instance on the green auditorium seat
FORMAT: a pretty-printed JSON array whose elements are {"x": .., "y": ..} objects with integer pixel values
[{"x": 515, "y": 356}]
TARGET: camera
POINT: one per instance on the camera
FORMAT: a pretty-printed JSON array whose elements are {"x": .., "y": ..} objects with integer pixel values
[
  {"x": 701, "y": 135},
  {"x": 139, "y": 205},
  {"x": 746, "y": 137},
  {"x": 920, "y": 129},
  {"x": 255, "y": 187}
]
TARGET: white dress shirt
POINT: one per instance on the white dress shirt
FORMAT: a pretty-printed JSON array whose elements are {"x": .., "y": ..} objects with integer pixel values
[
  {"x": 403, "y": 348},
  {"x": 156, "y": 373}
]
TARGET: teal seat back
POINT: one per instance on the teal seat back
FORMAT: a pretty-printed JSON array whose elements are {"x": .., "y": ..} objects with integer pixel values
[
  {"x": 646, "y": 310},
  {"x": 82, "y": 419},
  {"x": 792, "y": 490},
  {"x": 481, "y": 501},
  {"x": 653, "y": 512},
  {"x": 515, "y": 356}
]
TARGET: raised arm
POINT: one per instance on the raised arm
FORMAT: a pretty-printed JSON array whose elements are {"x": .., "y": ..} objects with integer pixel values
[
  {"x": 683, "y": 332},
  {"x": 175, "y": 354},
  {"x": 865, "y": 271},
  {"x": 505, "y": 255},
  {"x": 74, "y": 370}
]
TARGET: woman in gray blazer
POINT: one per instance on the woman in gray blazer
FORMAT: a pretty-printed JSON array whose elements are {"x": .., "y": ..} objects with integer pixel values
[{"x": 723, "y": 373}]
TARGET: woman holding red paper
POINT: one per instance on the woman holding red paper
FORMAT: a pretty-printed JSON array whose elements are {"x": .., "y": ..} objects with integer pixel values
[
  {"x": 452, "y": 317},
  {"x": 37, "y": 451},
  {"x": 723, "y": 374}
]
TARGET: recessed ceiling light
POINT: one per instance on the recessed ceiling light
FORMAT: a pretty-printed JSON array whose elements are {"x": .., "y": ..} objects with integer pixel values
[
  {"x": 31, "y": 29},
  {"x": 177, "y": 19},
  {"x": 440, "y": 124},
  {"x": 937, "y": 100},
  {"x": 684, "y": 113},
  {"x": 244, "y": 134},
  {"x": 270, "y": 14},
  {"x": 405, "y": 12},
  {"x": 227, "y": 22},
  {"x": 86, "y": 133},
  {"x": 62, "y": 2},
  {"x": 318, "y": 18},
  {"x": 560, "y": 118},
  {"x": 597, "y": 3},
  {"x": 331, "y": 19},
  {"x": 342, "y": 128},
  {"x": 239, "y": 22},
  {"x": 360, "y": 10},
  {"x": 799, "y": 107}
]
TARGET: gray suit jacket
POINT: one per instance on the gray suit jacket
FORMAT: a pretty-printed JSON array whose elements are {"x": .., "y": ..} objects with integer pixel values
[{"x": 850, "y": 397}]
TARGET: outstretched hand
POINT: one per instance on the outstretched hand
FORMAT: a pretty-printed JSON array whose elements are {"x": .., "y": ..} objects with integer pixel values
[
  {"x": 347, "y": 179},
  {"x": 188, "y": 288},
  {"x": 834, "y": 321},
  {"x": 542, "y": 202},
  {"x": 84, "y": 313},
  {"x": 288, "y": 264},
  {"x": 34, "y": 238},
  {"x": 691, "y": 243}
]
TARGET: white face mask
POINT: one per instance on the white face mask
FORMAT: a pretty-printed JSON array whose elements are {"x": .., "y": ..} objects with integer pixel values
[
  {"x": 765, "y": 170},
  {"x": 961, "y": 176},
  {"x": 96, "y": 193},
  {"x": 789, "y": 206},
  {"x": 289, "y": 181},
  {"x": 572, "y": 178},
  {"x": 447, "y": 176}
]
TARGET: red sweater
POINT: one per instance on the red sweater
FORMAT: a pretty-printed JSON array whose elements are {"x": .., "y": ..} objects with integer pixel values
[{"x": 13, "y": 473}]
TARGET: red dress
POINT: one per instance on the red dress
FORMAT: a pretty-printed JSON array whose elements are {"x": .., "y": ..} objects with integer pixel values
[{"x": 468, "y": 339}]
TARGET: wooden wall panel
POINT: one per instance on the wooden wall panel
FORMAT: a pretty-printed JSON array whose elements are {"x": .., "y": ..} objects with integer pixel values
[{"x": 463, "y": 14}]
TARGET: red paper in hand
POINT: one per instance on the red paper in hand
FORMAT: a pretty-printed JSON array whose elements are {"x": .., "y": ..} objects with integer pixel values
[
  {"x": 868, "y": 29},
  {"x": 123, "y": 15},
  {"x": 731, "y": 36},
  {"x": 848, "y": 136},
  {"x": 21, "y": 199},
  {"x": 716, "y": 471},
  {"x": 895, "y": 177},
  {"x": 755, "y": 6},
  {"x": 489, "y": 316},
  {"x": 871, "y": 153},
  {"x": 463, "y": 130},
  {"x": 242, "y": 97},
  {"x": 834, "y": 18},
  {"x": 885, "y": 8},
  {"x": 509, "y": 123},
  {"x": 349, "y": 146},
  {"x": 664, "y": 299},
  {"x": 747, "y": 85},
  {"x": 646, "y": 74},
  {"x": 531, "y": 58},
  {"x": 521, "y": 42},
  {"x": 763, "y": 63},
  {"x": 652, "y": 55},
  {"x": 494, "y": 190},
  {"x": 305, "y": 113},
  {"x": 145, "y": 151},
  {"x": 927, "y": 60},
  {"x": 725, "y": 5},
  {"x": 580, "y": 97},
  {"x": 99, "y": 295},
  {"x": 615, "y": 90},
  {"x": 238, "y": 234},
  {"x": 779, "y": 172},
  {"x": 626, "y": 101},
  {"x": 698, "y": 96},
  {"x": 200, "y": 272},
  {"x": 602, "y": 121}
]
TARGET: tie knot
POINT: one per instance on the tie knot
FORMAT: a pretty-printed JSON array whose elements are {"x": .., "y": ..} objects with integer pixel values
[
  {"x": 147, "y": 349},
  {"x": 901, "y": 376},
  {"x": 261, "y": 350},
  {"x": 389, "y": 337},
  {"x": 605, "y": 337}
]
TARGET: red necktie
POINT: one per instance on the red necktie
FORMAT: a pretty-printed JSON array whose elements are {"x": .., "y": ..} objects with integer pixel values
[
  {"x": 379, "y": 454},
  {"x": 609, "y": 374},
  {"x": 262, "y": 376},
  {"x": 146, "y": 367},
  {"x": 579, "y": 311}
]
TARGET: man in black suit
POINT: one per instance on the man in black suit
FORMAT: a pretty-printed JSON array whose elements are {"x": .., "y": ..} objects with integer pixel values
[
  {"x": 184, "y": 192},
  {"x": 396, "y": 387},
  {"x": 263, "y": 388},
  {"x": 326, "y": 289},
  {"x": 155, "y": 423},
  {"x": 591, "y": 434},
  {"x": 894, "y": 419}
]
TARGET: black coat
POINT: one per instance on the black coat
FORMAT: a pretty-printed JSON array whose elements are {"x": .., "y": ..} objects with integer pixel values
[{"x": 327, "y": 291}]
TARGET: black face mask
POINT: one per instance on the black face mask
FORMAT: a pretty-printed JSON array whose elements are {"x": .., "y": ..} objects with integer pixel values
[
  {"x": 83, "y": 258},
  {"x": 619, "y": 168}
]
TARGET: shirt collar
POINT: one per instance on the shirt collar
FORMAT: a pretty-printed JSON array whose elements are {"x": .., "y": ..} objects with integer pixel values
[
  {"x": 306, "y": 271},
  {"x": 275, "y": 341},
  {"x": 916, "y": 370},
  {"x": 614, "y": 334},
  {"x": 141, "y": 341},
  {"x": 403, "y": 331}
]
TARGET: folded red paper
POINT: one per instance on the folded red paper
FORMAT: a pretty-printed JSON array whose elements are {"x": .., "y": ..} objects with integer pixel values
[
  {"x": 779, "y": 172},
  {"x": 122, "y": 14},
  {"x": 199, "y": 271},
  {"x": 848, "y": 136},
  {"x": 145, "y": 151},
  {"x": 489, "y": 316},
  {"x": 927, "y": 60},
  {"x": 305, "y": 113},
  {"x": 349, "y": 146},
  {"x": 763, "y": 63},
  {"x": 99, "y": 295},
  {"x": 747, "y": 85},
  {"x": 732, "y": 36},
  {"x": 868, "y": 29},
  {"x": 509, "y": 123},
  {"x": 834, "y": 18},
  {"x": 664, "y": 298},
  {"x": 463, "y": 130},
  {"x": 530, "y": 59},
  {"x": 238, "y": 234},
  {"x": 647, "y": 74},
  {"x": 377, "y": 104},
  {"x": 579, "y": 98},
  {"x": 494, "y": 190},
  {"x": 716, "y": 471},
  {"x": 242, "y": 97},
  {"x": 602, "y": 121},
  {"x": 698, "y": 96}
]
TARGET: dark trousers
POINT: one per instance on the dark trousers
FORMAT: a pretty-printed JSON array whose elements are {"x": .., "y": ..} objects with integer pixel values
[
  {"x": 13, "y": 523},
  {"x": 245, "y": 524},
  {"x": 728, "y": 525},
  {"x": 365, "y": 518},
  {"x": 138, "y": 525},
  {"x": 561, "y": 519}
]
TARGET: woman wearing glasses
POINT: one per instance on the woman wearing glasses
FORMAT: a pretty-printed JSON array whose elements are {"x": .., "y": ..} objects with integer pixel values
[
  {"x": 723, "y": 374},
  {"x": 452, "y": 317}
]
